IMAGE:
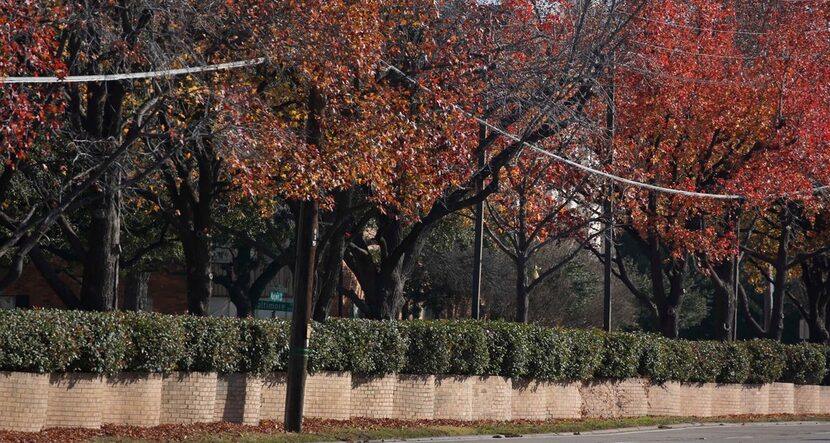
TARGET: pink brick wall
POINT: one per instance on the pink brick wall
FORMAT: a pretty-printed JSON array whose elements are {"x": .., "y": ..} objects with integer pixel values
[
  {"x": 755, "y": 399},
  {"x": 696, "y": 399},
  {"x": 824, "y": 400},
  {"x": 806, "y": 399},
  {"x": 272, "y": 403},
  {"x": 664, "y": 399},
  {"x": 328, "y": 395},
  {"x": 781, "y": 396},
  {"x": 726, "y": 400}
]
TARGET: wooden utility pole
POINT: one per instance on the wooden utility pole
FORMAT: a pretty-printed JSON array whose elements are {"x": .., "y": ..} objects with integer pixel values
[
  {"x": 303, "y": 283},
  {"x": 479, "y": 227},
  {"x": 608, "y": 212},
  {"x": 301, "y": 315}
]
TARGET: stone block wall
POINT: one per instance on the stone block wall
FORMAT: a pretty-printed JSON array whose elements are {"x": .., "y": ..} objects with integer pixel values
[{"x": 31, "y": 402}]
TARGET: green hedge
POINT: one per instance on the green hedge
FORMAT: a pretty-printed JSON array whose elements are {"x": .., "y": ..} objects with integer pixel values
[{"x": 60, "y": 341}]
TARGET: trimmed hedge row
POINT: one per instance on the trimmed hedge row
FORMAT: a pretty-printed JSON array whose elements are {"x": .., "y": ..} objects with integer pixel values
[{"x": 65, "y": 341}]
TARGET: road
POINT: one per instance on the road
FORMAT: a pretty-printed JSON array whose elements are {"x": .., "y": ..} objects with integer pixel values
[{"x": 728, "y": 433}]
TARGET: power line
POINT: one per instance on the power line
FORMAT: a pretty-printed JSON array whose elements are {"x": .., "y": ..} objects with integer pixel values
[
  {"x": 133, "y": 75},
  {"x": 588, "y": 169}
]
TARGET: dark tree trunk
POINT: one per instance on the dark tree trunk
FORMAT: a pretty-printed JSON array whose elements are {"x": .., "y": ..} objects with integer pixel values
[
  {"x": 199, "y": 276},
  {"x": 100, "y": 276},
  {"x": 815, "y": 274},
  {"x": 136, "y": 285},
  {"x": 332, "y": 265},
  {"x": 722, "y": 277},
  {"x": 522, "y": 299}
]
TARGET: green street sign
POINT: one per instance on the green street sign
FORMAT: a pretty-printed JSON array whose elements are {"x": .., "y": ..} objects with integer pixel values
[
  {"x": 271, "y": 305},
  {"x": 276, "y": 296}
]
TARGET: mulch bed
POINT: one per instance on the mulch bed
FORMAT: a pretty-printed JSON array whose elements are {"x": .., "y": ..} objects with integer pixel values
[{"x": 187, "y": 432}]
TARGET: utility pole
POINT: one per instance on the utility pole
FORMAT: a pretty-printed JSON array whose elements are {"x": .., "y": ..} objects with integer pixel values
[
  {"x": 303, "y": 283},
  {"x": 301, "y": 316},
  {"x": 479, "y": 227},
  {"x": 608, "y": 211}
]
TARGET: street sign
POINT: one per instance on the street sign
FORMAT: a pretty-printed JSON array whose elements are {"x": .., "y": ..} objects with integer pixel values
[
  {"x": 277, "y": 296},
  {"x": 271, "y": 305}
]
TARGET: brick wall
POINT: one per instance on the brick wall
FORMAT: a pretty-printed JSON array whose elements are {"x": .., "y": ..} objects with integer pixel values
[
  {"x": 781, "y": 398},
  {"x": 664, "y": 399},
  {"x": 696, "y": 399},
  {"x": 491, "y": 398},
  {"x": 755, "y": 399},
  {"x": 238, "y": 398},
  {"x": 72, "y": 400},
  {"x": 23, "y": 401},
  {"x": 373, "y": 397},
  {"x": 806, "y": 399},
  {"x": 132, "y": 399},
  {"x": 188, "y": 397},
  {"x": 726, "y": 400},
  {"x": 30, "y": 402}
]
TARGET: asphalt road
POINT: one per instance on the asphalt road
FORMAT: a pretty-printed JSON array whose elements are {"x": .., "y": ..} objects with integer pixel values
[{"x": 729, "y": 433}]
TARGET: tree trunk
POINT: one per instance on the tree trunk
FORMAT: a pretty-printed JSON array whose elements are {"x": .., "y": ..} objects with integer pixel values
[
  {"x": 522, "y": 299},
  {"x": 333, "y": 260},
  {"x": 815, "y": 274},
  {"x": 136, "y": 286},
  {"x": 100, "y": 276},
  {"x": 725, "y": 303},
  {"x": 669, "y": 324},
  {"x": 199, "y": 276}
]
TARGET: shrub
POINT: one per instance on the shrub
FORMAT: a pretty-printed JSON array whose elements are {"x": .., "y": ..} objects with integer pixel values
[
  {"x": 585, "y": 353},
  {"x": 388, "y": 347},
  {"x": 705, "y": 360},
  {"x": 766, "y": 359},
  {"x": 36, "y": 341},
  {"x": 211, "y": 344},
  {"x": 735, "y": 363},
  {"x": 550, "y": 354},
  {"x": 621, "y": 355},
  {"x": 663, "y": 360},
  {"x": 428, "y": 350},
  {"x": 508, "y": 348},
  {"x": 326, "y": 351},
  {"x": 101, "y": 339},
  {"x": 804, "y": 364},
  {"x": 263, "y": 345},
  {"x": 468, "y": 347},
  {"x": 156, "y": 342}
]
